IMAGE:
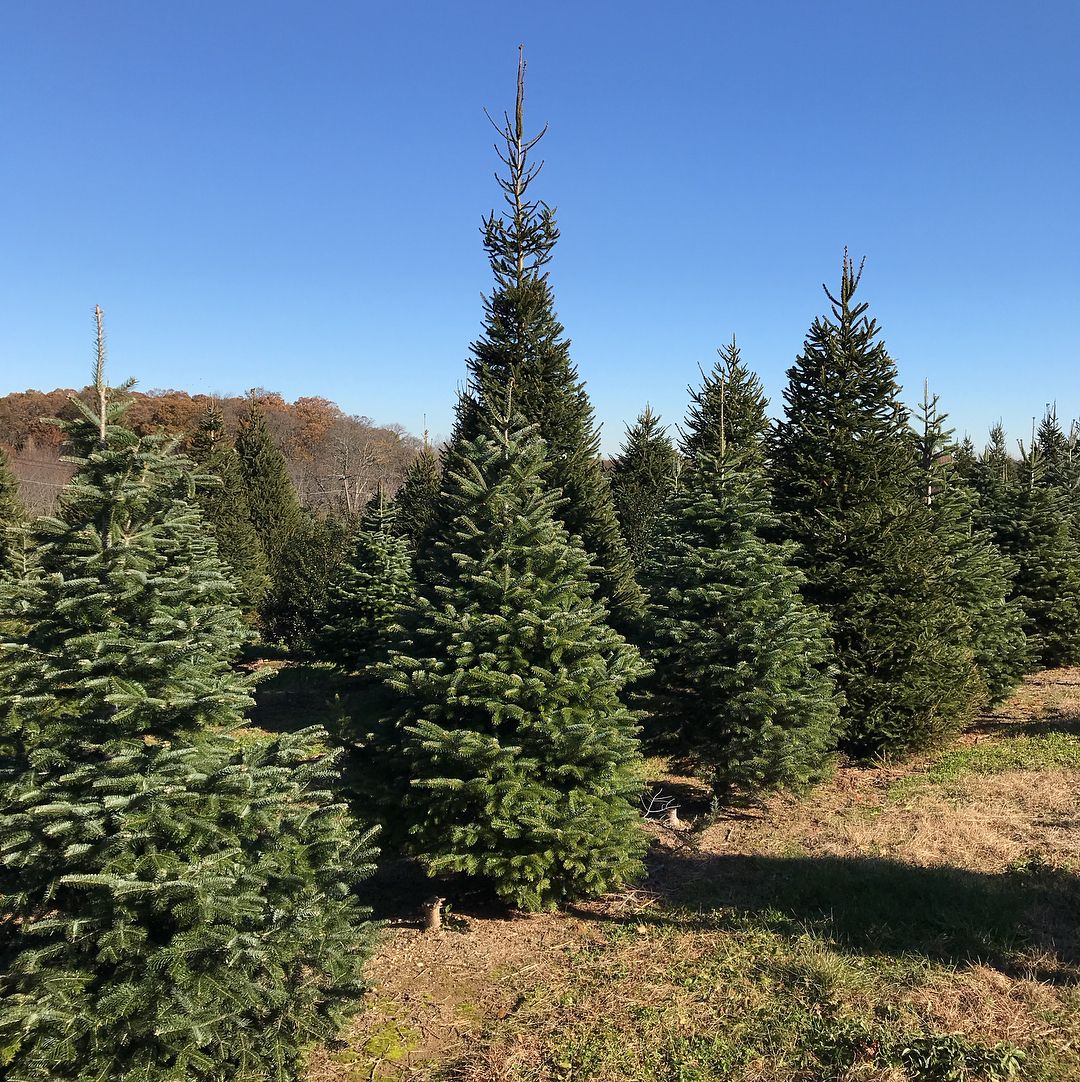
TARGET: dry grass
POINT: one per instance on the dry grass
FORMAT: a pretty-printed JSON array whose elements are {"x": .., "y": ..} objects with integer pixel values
[{"x": 897, "y": 923}]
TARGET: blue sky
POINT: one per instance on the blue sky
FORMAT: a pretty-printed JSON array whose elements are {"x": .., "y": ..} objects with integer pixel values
[{"x": 289, "y": 194}]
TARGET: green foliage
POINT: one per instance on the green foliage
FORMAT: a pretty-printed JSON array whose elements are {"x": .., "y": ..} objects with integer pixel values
[
  {"x": 271, "y": 495},
  {"x": 178, "y": 901},
  {"x": 981, "y": 576},
  {"x": 11, "y": 510},
  {"x": 225, "y": 509},
  {"x": 1058, "y": 454},
  {"x": 523, "y": 347},
  {"x": 643, "y": 478},
  {"x": 1031, "y": 524},
  {"x": 128, "y": 619},
  {"x": 520, "y": 758},
  {"x": 372, "y": 582},
  {"x": 742, "y": 661},
  {"x": 844, "y": 471},
  {"x": 185, "y": 910},
  {"x": 728, "y": 411},
  {"x": 417, "y": 499},
  {"x": 294, "y": 610}
]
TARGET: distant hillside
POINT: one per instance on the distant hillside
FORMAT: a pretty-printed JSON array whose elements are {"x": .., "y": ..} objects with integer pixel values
[{"x": 335, "y": 459}]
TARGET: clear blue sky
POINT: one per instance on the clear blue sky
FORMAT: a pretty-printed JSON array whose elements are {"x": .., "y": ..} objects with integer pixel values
[{"x": 289, "y": 194}]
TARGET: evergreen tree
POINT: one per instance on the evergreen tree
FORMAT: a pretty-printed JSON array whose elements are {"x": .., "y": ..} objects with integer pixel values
[
  {"x": 11, "y": 511},
  {"x": 1031, "y": 524},
  {"x": 981, "y": 575},
  {"x": 294, "y": 611},
  {"x": 521, "y": 760},
  {"x": 271, "y": 495},
  {"x": 177, "y": 900},
  {"x": 370, "y": 585},
  {"x": 1057, "y": 452},
  {"x": 728, "y": 412},
  {"x": 643, "y": 479},
  {"x": 844, "y": 471},
  {"x": 225, "y": 509},
  {"x": 523, "y": 345},
  {"x": 742, "y": 661},
  {"x": 418, "y": 497}
]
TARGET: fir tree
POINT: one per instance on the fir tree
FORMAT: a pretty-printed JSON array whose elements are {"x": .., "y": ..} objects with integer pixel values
[
  {"x": 742, "y": 661},
  {"x": 524, "y": 345},
  {"x": 417, "y": 498},
  {"x": 521, "y": 759},
  {"x": 294, "y": 609},
  {"x": 981, "y": 575},
  {"x": 728, "y": 412},
  {"x": 11, "y": 510},
  {"x": 844, "y": 472},
  {"x": 370, "y": 585},
  {"x": 178, "y": 900},
  {"x": 271, "y": 495},
  {"x": 643, "y": 479},
  {"x": 224, "y": 506},
  {"x": 1057, "y": 452},
  {"x": 1031, "y": 524}
]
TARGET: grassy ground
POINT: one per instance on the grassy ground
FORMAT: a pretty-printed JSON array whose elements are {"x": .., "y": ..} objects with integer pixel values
[{"x": 898, "y": 923}]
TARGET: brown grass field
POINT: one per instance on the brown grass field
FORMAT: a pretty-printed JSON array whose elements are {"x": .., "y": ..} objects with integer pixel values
[{"x": 915, "y": 922}]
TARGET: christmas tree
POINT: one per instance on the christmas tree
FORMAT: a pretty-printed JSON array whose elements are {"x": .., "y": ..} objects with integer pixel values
[
  {"x": 11, "y": 511},
  {"x": 1057, "y": 451},
  {"x": 1031, "y": 524},
  {"x": 521, "y": 759},
  {"x": 370, "y": 585},
  {"x": 742, "y": 661},
  {"x": 271, "y": 495},
  {"x": 225, "y": 509},
  {"x": 417, "y": 498},
  {"x": 178, "y": 898},
  {"x": 844, "y": 470},
  {"x": 981, "y": 575},
  {"x": 294, "y": 609},
  {"x": 523, "y": 344},
  {"x": 728, "y": 412},
  {"x": 643, "y": 478}
]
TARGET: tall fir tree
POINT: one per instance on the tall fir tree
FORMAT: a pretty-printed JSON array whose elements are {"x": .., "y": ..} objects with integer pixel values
[
  {"x": 981, "y": 574},
  {"x": 271, "y": 494},
  {"x": 1058, "y": 454},
  {"x": 417, "y": 499},
  {"x": 225, "y": 509},
  {"x": 742, "y": 661},
  {"x": 1031, "y": 524},
  {"x": 178, "y": 901},
  {"x": 521, "y": 760},
  {"x": 523, "y": 345},
  {"x": 11, "y": 510},
  {"x": 728, "y": 413},
  {"x": 844, "y": 470},
  {"x": 293, "y": 611},
  {"x": 643, "y": 480},
  {"x": 371, "y": 584}
]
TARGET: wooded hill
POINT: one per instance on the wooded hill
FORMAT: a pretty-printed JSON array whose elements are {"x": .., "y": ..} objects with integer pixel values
[{"x": 336, "y": 460}]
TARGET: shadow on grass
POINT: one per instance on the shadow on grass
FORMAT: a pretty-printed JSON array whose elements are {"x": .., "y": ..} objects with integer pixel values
[
  {"x": 297, "y": 695},
  {"x": 1056, "y": 721},
  {"x": 1023, "y": 923}
]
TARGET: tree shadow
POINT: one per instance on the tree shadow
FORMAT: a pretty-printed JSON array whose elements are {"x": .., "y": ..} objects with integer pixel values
[
  {"x": 399, "y": 888},
  {"x": 295, "y": 696},
  {"x": 1023, "y": 923},
  {"x": 1054, "y": 721}
]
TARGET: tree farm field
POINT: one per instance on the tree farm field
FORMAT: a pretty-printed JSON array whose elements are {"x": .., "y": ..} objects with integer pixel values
[{"x": 897, "y": 922}]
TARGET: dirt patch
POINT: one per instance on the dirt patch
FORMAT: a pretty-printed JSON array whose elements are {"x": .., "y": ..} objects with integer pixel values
[
  {"x": 800, "y": 905},
  {"x": 434, "y": 990}
]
